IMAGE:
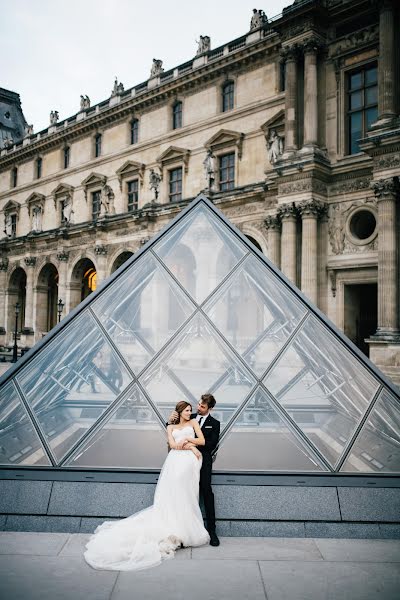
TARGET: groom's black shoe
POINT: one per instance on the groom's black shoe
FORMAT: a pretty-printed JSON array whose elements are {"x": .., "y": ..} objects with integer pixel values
[{"x": 214, "y": 541}]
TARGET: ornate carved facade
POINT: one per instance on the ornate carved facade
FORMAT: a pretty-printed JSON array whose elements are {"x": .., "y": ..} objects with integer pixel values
[{"x": 300, "y": 120}]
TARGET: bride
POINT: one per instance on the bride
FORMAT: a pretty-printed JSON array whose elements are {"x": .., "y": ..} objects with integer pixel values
[{"x": 146, "y": 538}]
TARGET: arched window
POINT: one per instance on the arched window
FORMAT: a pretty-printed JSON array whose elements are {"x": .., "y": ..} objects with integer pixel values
[
  {"x": 97, "y": 145},
  {"x": 227, "y": 96},
  {"x": 177, "y": 115},
  {"x": 134, "y": 131}
]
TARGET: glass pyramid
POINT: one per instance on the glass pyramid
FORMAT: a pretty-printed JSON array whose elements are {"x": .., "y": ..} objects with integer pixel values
[{"x": 199, "y": 310}]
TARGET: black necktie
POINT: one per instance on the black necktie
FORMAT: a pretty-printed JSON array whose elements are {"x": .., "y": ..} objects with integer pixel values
[{"x": 200, "y": 420}]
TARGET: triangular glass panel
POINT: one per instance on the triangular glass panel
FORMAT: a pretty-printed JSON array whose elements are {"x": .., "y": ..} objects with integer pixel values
[
  {"x": 141, "y": 310},
  {"x": 200, "y": 252},
  {"x": 131, "y": 438},
  {"x": 255, "y": 312},
  {"x": 19, "y": 442},
  {"x": 377, "y": 447},
  {"x": 71, "y": 382},
  {"x": 197, "y": 362},
  {"x": 260, "y": 440},
  {"x": 322, "y": 387}
]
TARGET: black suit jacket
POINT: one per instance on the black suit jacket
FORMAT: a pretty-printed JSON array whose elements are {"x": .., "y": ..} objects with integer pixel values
[{"x": 210, "y": 428}]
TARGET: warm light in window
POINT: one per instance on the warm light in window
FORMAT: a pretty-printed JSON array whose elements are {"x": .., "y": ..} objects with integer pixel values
[{"x": 91, "y": 277}]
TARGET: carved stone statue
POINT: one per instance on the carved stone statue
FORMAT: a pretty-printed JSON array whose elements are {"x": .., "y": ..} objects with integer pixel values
[
  {"x": 117, "y": 89},
  {"x": 54, "y": 117},
  {"x": 37, "y": 218},
  {"x": 275, "y": 146},
  {"x": 28, "y": 130},
  {"x": 8, "y": 143},
  {"x": 204, "y": 44},
  {"x": 156, "y": 68},
  {"x": 85, "y": 102},
  {"x": 8, "y": 225},
  {"x": 258, "y": 19},
  {"x": 106, "y": 201},
  {"x": 336, "y": 230},
  {"x": 209, "y": 169},
  {"x": 154, "y": 180},
  {"x": 67, "y": 213}
]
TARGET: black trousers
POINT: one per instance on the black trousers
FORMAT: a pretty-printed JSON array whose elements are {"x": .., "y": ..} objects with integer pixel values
[{"x": 206, "y": 490}]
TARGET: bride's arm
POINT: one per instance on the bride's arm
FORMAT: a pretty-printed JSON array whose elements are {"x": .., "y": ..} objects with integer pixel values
[
  {"x": 199, "y": 441},
  {"x": 172, "y": 443}
]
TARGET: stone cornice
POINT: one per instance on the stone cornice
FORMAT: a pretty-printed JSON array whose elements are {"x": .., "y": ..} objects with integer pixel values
[{"x": 103, "y": 115}]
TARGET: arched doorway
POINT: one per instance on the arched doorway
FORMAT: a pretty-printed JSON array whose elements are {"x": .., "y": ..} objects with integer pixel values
[
  {"x": 16, "y": 293},
  {"x": 83, "y": 281},
  {"x": 120, "y": 260},
  {"x": 46, "y": 299},
  {"x": 254, "y": 242}
]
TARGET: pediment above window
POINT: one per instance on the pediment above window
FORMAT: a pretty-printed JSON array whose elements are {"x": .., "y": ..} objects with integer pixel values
[
  {"x": 62, "y": 191},
  {"x": 173, "y": 154},
  {"x": 225, "y": 139},
  {"x": 276, "y": 122},
  {"x": 12, "y": 207},
  {"x": 35, "y": 199},
  {"x": 130, "y": 169},
  {"x": 92, "y": 181}
]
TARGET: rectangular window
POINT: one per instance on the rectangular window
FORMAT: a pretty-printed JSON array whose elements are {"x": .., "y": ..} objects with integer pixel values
[
  {"x": 96, "y": 199},
  {"x": 39, "y": 163},
  {"x": 14, "y": 177},
  {"x": 227, "y": 172},
  {"x": 362, "y": 105},
  {"x": 97, "y": 145},
  {"x": 133, "y": 195},
  {"x": 227, "y": 96},
  {"x": 66, "y": 157},
  {"x": 175, "y": 185},
  {"x": 13, "y": 225},
  {"x": 177, "y": 115},
  {"x": 134, "y": 131}
]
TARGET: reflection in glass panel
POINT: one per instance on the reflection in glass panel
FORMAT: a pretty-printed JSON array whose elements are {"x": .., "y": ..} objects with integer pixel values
[
  {"x": 260, "y": 440},
  {"x": 355, "y": 132},
  {"x": 200, "y": 251},
  {"x": 323, "y": 388},
  {"x": 19, "y": 442},
  {"x": 255, "y": 313},
  {"x": 132, "y": 438},
  {"x": 71, "y": 382},
  {"x": 356, "y": 100},
  {"x": 141, "y": 310},
  {"x": 377, "y": 447},
  {"x": 355, "y": 80},
  {"x": 197, "y": 362}
]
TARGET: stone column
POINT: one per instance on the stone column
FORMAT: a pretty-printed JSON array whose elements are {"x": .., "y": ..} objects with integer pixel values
[
  {"x": 273, "y": 226},
  {"x": 62, "y": 258},
  {"x": 386, "y": 65},
  {"x": 387, "y": 192},
  {"x": 310, "y": 93},
  {"x": 290, "y": 55},
  {"x": 30, "y": 262},
  {"x": 310, "y": 211},
  {"x": 288, "y": 215},
  {"x": 3, "y": 279},
  {"x": 101, "y": 253}
]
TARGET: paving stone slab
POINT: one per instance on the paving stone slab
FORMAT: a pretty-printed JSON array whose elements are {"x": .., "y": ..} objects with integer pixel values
[
  {"x": 260, "y": 549},
  {"x": 198, "y": 580},
  {"x": 277, "y": 503},
  {"x": 330, "y": 581},
  {"x": 2, "y": 521},
  {"x": 53, "y": 578},
  {"x": 374, "y": 551},
  {"x": 367, "y": 504},
  {"x": 389, "y": 530},
  {"x": 266, "y": 529},
  {"x": 41, "y": 544},
  {"x": 99, "y": 499},
  {"x": 89, "y": 524},
  {"x": 24, "y": 497},
  {"x": 42, "y": 523},
  {"x": 343, "y": 530}
]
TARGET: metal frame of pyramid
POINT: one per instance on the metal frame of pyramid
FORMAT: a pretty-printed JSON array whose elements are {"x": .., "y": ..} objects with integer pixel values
[{"x": 326, "y": 369}]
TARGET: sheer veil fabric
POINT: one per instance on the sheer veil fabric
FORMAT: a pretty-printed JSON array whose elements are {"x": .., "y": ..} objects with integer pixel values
[{"x": 146, "y": 538}]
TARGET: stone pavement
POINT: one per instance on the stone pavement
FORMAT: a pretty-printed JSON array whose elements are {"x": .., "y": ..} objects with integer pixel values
[{"x": 50, "y": 566}]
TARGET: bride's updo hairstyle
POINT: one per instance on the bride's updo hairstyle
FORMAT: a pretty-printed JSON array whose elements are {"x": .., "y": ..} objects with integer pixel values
[{"x": 180, "y": 407}]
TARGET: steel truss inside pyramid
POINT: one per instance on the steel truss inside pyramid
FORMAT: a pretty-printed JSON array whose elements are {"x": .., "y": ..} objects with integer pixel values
[{"x": 199, "y": 310}]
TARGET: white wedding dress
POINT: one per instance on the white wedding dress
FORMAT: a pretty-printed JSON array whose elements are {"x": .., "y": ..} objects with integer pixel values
[{"x": 146, "y": 538}]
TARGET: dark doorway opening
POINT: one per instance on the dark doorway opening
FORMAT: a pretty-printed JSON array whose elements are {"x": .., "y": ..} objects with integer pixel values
[{"x": 360, "y": 313}]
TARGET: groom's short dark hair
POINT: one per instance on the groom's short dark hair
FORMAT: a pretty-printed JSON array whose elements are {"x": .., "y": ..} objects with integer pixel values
[{"x": 209, "y": 400}]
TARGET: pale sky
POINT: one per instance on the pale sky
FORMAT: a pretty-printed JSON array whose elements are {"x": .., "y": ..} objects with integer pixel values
[{"x": 52, "y": 51}]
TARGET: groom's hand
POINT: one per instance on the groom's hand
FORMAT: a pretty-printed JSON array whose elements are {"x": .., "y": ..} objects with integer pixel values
[{"x": 173, "y": 418}]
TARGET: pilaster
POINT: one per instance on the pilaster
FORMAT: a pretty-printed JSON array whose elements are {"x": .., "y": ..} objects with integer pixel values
[
  {"x": 274, "y": 226},
  {"x": 288, "y": 216}
]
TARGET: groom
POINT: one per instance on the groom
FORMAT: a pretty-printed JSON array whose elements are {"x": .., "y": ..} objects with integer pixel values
[{"x": 210, "y": 428}]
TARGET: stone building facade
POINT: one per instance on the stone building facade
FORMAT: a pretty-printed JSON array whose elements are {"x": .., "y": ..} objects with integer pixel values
[{"x": 293, "y": 130}]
